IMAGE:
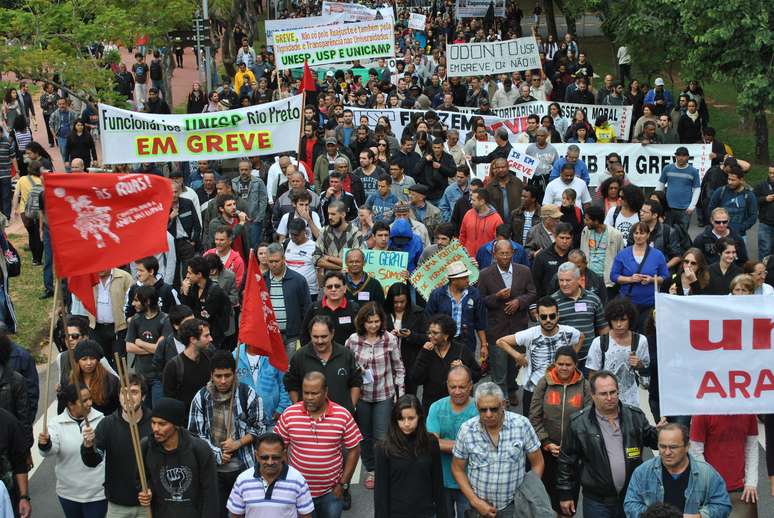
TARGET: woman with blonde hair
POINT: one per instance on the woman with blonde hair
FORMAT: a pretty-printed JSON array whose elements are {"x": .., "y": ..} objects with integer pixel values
[{"x": 742, "y": 284}]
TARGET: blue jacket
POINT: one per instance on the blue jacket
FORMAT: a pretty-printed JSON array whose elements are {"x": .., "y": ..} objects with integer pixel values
[
  {"x": 382, "y": 208},
  {"x": 624, "y": 264},
  {"x": 706, "y": 493},
  {"x": 269, "y": 388},
  {"x": 473, "y": 312},
  {"x": 449, "y": 199},
  {"x": 742, "y": 207},
  {"x": 650, "y": 98},
  {"x": 414, "y": 247},
  {"x": 484, "y": 255},
  {"x": 581, "y": 171},
  {"x": 295, "y": 291}
]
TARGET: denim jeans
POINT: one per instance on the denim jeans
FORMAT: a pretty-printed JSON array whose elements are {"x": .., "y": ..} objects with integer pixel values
[
  {"x": 4, "y": 315},
  {"x": 5, "y": 197},
  {"x": 254, "y": 233},
  {"x": 156, "y": 391},
  {"x": 454, "y": 497},
  {"x": 600, "y": 510},
  {"x": 83, "y": 509},
  {"x": 62, "y": 143},
  {"x": 373, "y": 419},
  {"x": 498, "y": 367},
  {"x": 327, "y": 506},
  {"x": 765, "y": 238},
  {"x": 48, "y": 261}
]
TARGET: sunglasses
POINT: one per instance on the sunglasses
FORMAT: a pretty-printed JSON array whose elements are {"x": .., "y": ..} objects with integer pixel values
[
  {"x": 721, "y": 222},
  {"x": 686, "y": 261},
  {"x": 489, "y": 410},
  {"x": 548, "y": 316},
  {"x": 74, "y": 336},
  {"x": 272, "y": 457},
  {"x": 333, "y": 286}
]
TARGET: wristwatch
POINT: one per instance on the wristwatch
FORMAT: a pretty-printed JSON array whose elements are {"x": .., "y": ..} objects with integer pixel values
[{"x": 344, "y": 486}]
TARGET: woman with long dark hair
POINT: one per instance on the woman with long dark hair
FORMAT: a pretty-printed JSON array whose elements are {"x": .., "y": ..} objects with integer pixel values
[
  {"x": 407, "y": 323},
  {"x": 197, "y": 99},
  {"x": 409, "y": 480},
  {"x": 11, "y": 108},
  {"x": 378, "y": 354},
  {"x": 691, "y": 277},
  {"x": 609, "y": 194},
  {"x": 80, "y": 144},
  {"x": 35, "y": 151},
  {"x": 21, "y": 135},
  {"x": 88, "y": 372}
]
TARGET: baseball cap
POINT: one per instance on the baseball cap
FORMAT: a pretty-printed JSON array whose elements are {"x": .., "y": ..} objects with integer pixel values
[
  {"x": 682, "y": 151},
  {"x": 658, "y": 82}
]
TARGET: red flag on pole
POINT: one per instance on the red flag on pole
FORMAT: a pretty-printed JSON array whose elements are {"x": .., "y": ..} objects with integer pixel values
[
  {"x": 99, "y": 221},
  {"x": 308, "y": 84},
  {"x": 258, "y": 328},
  {"x": 82, "y": 286}
]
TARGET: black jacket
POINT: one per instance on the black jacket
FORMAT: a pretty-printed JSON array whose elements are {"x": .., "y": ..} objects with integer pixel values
[
  {"x": 341, "y": 373},
  {"x": 184, "y": 481},
  {"x": 436, "y": 180},
  {"x": 110, "y": 444},
  {"x": 23, "y": 363},
  {"x": 706, "y": 243},
  {"x": 343, "y": 320},
  {"x": 13, "y": 443},
  {"x": 430, "y": 370},
  {"x": 410, "y": 346},
  {"x": 407, "y": 162},
  {"x": 211, "y": 305},
  {"x": 584, "y": 450},
  {"x": 356, "y": 186},
  {"x": 13, "y": 398},
  {"x": 544, "y": 267},
  {"x": 167, "y": 297},
  {"x": 498, "y": 152},
  {"x": 295, "y": 291},
  {"x": 765, "y": 208},
  {"x": 187, "y": 216}
]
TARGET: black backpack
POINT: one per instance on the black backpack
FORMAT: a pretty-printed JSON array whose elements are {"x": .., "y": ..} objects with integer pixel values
[{"x": 604, "y": 345}]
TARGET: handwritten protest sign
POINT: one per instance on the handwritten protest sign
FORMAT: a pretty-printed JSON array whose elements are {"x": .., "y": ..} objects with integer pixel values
[
  {"x": 386, "y": 266},
  {"x": 432, "y": 273},
  {"x": 521, "y": 163}
]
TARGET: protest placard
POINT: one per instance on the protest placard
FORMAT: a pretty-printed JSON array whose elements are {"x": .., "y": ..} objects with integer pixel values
[
  {"x": 417, "y": 21},
  {"x": 522, "y": 164},
  {"x": 491, "y": 58},
  {"x": 128, "y": 137},
  {"x": 291, "y": 24},
  {"x": 356, "y": 12},
  {"x": 642, "y": 163},
  {"x": 386, "y": 266},
  {"x": 431, "y": 274},
  {"x": 715, "y": 354},
  {"x": 334, "y": 44},
  {"x": 478, "y": 8}
]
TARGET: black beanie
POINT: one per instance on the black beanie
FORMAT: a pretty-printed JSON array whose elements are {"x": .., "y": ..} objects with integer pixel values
[
  {"x": 88, "y": 348},
  {"x": 170, "y": 410}
]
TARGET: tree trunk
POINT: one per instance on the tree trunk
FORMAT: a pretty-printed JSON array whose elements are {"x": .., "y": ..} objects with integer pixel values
[
  {"x": 568, "y": 20},
  {"x": 761, "y": 135},
  {"x": 168, "y": 68},
  {"x": 551, "y": 19}
]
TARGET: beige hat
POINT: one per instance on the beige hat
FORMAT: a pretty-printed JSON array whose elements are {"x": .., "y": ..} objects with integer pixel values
[
  {"x": 550, "y": 211},
  {"x": 457, "y": 270}
]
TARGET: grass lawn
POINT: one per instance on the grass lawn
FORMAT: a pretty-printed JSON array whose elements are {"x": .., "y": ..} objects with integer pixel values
[{"x": 33, "y": 314}]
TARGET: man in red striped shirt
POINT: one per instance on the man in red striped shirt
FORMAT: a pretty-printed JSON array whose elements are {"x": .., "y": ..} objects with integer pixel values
[{"x": 316, "y": 429}]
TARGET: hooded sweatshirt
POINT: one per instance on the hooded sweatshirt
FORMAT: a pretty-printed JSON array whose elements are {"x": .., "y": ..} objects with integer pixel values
[
  {"x": 477, "y": 230},
  {"x": 183, "y": 481},
  {"x": 554, "y": 402},
  {"x": 406, "y": 241}
]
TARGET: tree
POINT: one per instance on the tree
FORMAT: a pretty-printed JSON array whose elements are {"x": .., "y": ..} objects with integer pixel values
[{"x": 729, "y": 41}]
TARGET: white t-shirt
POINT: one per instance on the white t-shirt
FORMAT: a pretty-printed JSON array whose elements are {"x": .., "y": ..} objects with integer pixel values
[
  {"x": 556, "y": 187},
  {"x": 617, "y": 362},
  {"x": 623, "y": 223},
  {"x": 253, "y": 360},
  {"x": 274, "y": 177},
  {"x": 299, "y": 259},
  {"x": 282, "y": 226},
  {"x": 540, "y": 350}
]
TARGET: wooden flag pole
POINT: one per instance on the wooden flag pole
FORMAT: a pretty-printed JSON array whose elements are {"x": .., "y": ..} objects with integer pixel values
[
  {"x": 51, "y": 328},
  {"x": 230, "y": 418},
  {"x": 134, "y": 431}
]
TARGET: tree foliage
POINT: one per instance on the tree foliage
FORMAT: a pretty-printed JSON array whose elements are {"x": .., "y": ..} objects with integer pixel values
[{"x": 730, "y": 41}]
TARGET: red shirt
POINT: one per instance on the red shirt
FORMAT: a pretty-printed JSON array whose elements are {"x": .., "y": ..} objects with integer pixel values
[
  {"x": 724, "y": 438},
  {"x": 315, "y": 446}
]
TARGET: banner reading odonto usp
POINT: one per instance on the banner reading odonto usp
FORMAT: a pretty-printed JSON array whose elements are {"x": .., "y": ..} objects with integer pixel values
[
  {"x": 715, "y": 354},
  {"x": 129, "y": 137},
  {"x": 495, "y": 57}
]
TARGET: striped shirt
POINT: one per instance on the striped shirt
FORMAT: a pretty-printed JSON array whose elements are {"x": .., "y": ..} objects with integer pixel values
[
  {"x": 23, "y": 139},
  {"x": 381, "y": 365},
  {"x": 315, "y": 445},
  {"x": 586, "y": 314},
  {"x": 7, "y": 154},
  {"x": 277, "y": 295},
  {"x": 288, "y": 498}
]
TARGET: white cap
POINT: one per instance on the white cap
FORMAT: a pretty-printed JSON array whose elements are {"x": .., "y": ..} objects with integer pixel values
[{"x": 658, "y": 82}]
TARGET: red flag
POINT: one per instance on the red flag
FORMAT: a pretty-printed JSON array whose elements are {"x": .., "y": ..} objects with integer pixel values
[
  {"x": 258, "y": 328},
  {"x": 308, "y": 84},
  {"x": 100, "y": 221},
  {"x": 82, "y": 286}
]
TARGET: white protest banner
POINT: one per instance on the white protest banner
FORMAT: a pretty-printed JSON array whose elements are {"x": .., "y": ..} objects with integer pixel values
[
  {"x": 334, "y": 44},
  {"x": 400, "y": 118},
  {"x": 642, "y": 163},
  {"x": 620, "y": 117},
  {"x": 417, "y": 21},
  {"x": 490, "y": 58},
  {"x": 483, "y": 149},
  {"x": 521, "y": 163},
  {"x": 292, "y": 24},
  {"x": 478, "y": 8},
  {"x": 715, "y": 354},
  {"x": 356, "y": 12},
  {"x": 129, "y": 137}
]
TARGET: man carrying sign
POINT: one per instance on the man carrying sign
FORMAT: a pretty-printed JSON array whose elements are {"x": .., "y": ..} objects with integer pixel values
[{"x": 361, "y": 287}]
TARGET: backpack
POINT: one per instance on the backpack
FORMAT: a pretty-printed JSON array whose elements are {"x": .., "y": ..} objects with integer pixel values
[
  {"x": 604, "y": 345},
  {"x": 616, "y": 212},
  {"x": 683, "y": 239},
  {"x": 32, "y": 207}
]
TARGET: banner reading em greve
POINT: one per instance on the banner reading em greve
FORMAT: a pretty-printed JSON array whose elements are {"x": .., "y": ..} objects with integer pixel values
[
  {"x": 134, "y": 137},
  {"x": 715, "y": 354}
]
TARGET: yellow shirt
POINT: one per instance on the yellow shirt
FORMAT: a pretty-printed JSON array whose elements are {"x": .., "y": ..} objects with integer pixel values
[
  {"x": 25, "y": 186},
  {"x": 242, "y": 78},
  {"x": 605, "y": 134}
]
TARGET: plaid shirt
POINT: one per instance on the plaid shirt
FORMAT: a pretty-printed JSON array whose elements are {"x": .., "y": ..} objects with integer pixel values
[
  {"x": 383, "y": 360},
  {"x": 496, "y": 472},
  {"x": 200, "y": 419},
  {"x": 329, "y": 244}
]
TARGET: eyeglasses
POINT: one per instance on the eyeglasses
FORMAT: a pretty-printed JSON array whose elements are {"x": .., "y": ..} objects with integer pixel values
[
  {"x": 489, "y": 410},
  {"x": 686, "y": 261},
  {"x": 383, "y": 144},
  {"x": 721, "y": 222},
  {"x": 333, "y": 286},
  {"x": 670, "y": 447},
  {"x": 272, "y": 457},
  {"x": 548, "y": 316},
  {"x": 74, "y": 336}
]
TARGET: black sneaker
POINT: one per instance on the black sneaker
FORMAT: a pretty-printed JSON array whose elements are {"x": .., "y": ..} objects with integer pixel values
[
  {"x": 46, "y": 295},
  {"x": 346, "y": 499}
]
